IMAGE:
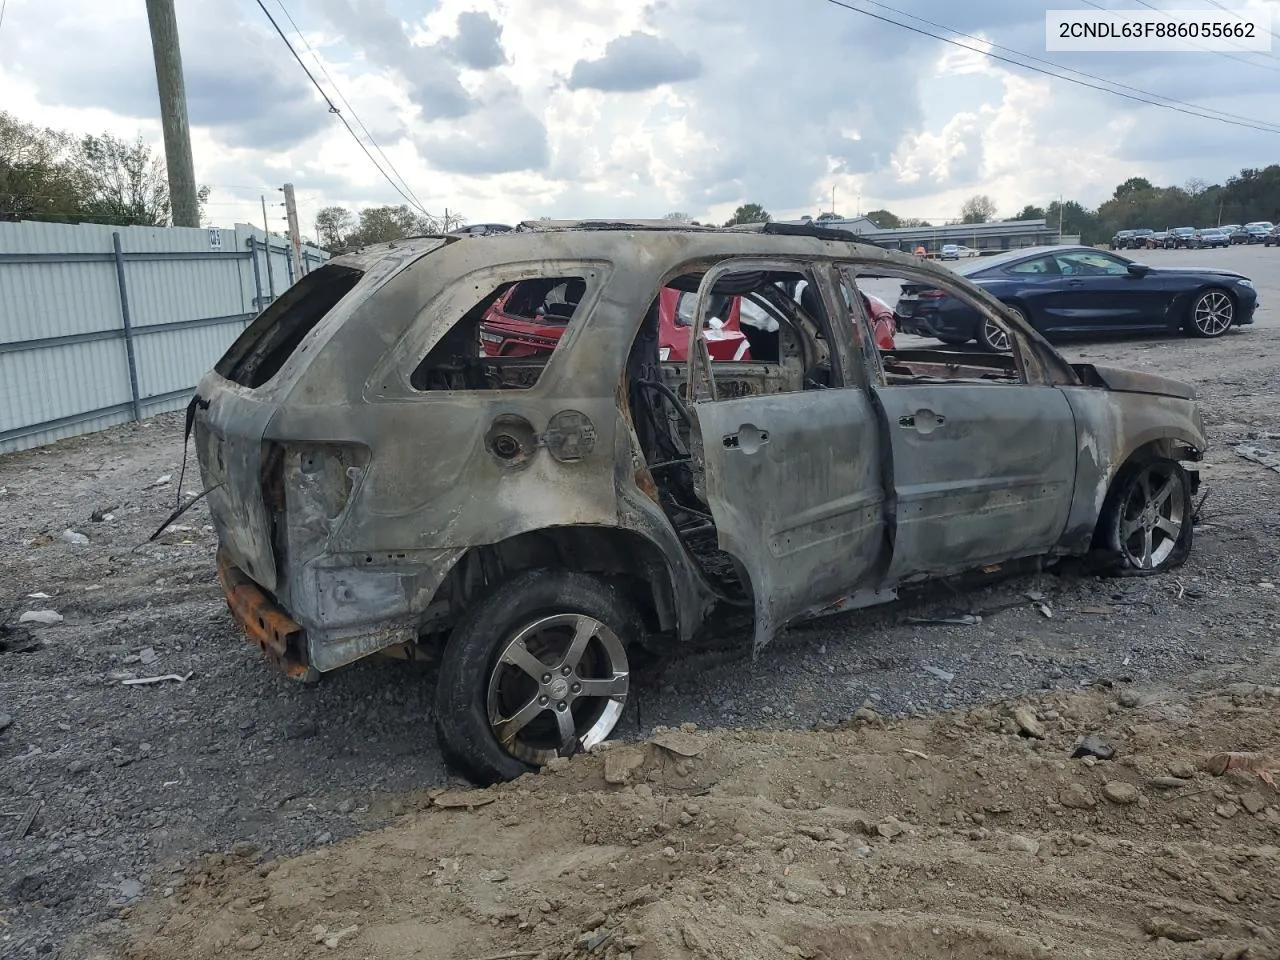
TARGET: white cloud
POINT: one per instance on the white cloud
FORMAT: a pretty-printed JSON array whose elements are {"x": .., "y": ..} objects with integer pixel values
[{"x": 516, "y": 108}]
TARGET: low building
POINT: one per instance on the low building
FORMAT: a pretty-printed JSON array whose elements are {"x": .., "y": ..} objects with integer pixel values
[{"x": 986, "y": 238}]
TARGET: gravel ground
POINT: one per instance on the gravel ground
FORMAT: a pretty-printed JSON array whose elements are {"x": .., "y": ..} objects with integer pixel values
[{"x": 107, "y": 788}]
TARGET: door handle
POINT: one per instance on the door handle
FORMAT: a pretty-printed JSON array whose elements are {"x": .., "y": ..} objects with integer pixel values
[
  {"x": 748, "y": 439},
  {"x": 1075, "y": 283},
  {"x": 923, "y": 421}
]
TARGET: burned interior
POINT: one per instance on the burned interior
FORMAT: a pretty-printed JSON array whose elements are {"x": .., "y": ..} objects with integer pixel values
[{"x": 458, "y": 361}]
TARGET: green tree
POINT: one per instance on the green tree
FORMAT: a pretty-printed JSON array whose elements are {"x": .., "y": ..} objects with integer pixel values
[
  {"x": 913, "y": 222},
  {"x": 678, "y": 216},
  {"x": 883, "y": 219},
  {"x": 749, "y": 213},
  {"x": 38, "y": 180},
  {"x": 334, "y": 224},
  {"x": 1131, "y": 186},
  {"x": 384, "y": 224},
  {"x": 1030, "y": 212},
  {"x": 124, "y": 183},
  {"x": 829, "y": 215},
  {"x": 978, "y": 209}
]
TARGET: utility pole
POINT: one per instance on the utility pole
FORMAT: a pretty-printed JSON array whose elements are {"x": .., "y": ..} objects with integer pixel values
[
  {"x": 173, "y": 113},
  {"x": 266, "y": 243},
  {"x": 833, "y": 199},
  {"x": 1059, "y": 218},
  {"x": 295, "y": 234}
]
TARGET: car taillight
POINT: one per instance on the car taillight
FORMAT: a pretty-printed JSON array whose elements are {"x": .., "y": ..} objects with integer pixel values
[{"x": 931, "y": 294}]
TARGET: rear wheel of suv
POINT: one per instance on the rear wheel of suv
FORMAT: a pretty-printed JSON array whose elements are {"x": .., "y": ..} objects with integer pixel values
[{"x": 537, "y": 669}]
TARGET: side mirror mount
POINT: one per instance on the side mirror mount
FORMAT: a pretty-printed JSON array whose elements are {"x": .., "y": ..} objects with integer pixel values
[{"x": 1138, "y": 269}]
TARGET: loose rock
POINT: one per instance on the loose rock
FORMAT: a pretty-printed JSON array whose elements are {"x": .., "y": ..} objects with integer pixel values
[
  {"x": 1026, "y": 720},
  {"x": 1117, "y": 791},
  {"x": 1076, "y": 797},
  {"x": 621, "y": 762},
  {"x": 45, "y": 618}
]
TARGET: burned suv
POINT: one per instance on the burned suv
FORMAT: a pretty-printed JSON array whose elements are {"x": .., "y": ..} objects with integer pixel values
[{"x": 377, "y": 481}]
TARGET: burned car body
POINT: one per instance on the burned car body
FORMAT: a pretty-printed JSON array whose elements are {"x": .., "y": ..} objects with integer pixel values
[{"x": 377, "y": 481}]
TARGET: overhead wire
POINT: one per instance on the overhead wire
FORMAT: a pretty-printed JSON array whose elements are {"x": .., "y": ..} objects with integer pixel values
[
  {"x": 1236, "y": 14},
  {"x": 1165, "y": 13},
  {"x": 345, "y": 102},
  {"x": 338, "y": 113},
  {"x": 1220, "y": 118},
  {"x": 1079, "y": 73}
]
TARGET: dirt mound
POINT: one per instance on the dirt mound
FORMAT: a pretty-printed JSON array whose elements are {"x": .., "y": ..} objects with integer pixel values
[{"x": 963, "y": 835}]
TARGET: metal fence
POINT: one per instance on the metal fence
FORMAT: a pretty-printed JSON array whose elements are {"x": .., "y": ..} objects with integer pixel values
[{"x": 101, "y": 324}]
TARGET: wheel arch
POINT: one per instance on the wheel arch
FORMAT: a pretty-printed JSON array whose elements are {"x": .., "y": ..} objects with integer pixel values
[
  {"x": 1178, "y": 446},
  {"x": 624, "y": 556}
]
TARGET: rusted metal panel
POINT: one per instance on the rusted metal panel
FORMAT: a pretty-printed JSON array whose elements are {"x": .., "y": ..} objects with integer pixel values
[{"x": 279, "y": 637}]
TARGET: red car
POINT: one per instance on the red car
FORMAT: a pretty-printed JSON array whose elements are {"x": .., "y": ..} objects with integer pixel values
[
  {"x": 530, "y": 318},
  {"x": 882, "y": 321}
]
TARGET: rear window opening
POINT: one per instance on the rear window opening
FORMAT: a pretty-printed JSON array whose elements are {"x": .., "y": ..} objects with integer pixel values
[
  {"x": 505, "y": 340},
  {"x": 262, "y": 349}
]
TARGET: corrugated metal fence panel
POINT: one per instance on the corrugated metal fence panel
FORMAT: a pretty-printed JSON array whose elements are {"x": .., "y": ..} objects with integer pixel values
[
  {"x": 56, "y": 299},
  {"x": 200, "y": 280}
]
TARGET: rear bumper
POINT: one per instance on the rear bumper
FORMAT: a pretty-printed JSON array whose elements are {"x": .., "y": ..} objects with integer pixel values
[{"x": 264, "y": 623}]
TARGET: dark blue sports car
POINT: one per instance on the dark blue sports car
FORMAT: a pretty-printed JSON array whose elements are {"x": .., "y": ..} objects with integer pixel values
[{"x": 1081, "y": 291}]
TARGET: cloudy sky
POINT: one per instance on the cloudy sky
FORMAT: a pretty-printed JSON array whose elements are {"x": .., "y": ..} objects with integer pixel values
[{"x": 512, "y": 109}]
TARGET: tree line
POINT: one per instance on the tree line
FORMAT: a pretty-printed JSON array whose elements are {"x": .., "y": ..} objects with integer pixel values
[
  {"x": 48, "y": 174},
  {"x": 338, "y": 228}
]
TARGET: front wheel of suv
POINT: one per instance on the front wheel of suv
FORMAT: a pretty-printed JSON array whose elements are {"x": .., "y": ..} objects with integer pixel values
[{"x": 535, "y": 670}]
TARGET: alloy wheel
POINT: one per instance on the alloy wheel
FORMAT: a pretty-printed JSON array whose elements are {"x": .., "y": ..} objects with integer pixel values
[
  {"x": 995, "y": 337},
  {"x": 1213, "y": 313},
  {"x": 558, "y": 687},
  {"x": 1151, "y": 516}
]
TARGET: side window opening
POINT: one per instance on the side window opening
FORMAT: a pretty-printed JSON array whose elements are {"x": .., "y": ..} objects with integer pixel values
[
  {"x": 505, "y": 340},
  {"x": 262, "y": 349},
  {"x": 925, "y": 303}
]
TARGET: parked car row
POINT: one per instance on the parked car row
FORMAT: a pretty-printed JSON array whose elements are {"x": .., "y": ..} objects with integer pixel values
[
  {"x": 1190, "y": 238},
  {"x": 1073, "y": 291}
]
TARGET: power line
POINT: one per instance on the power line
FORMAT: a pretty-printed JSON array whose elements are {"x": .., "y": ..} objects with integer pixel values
[
  {"x": 1238, "y": 17},
  {"x": 1253, "y": 125},
  {"x": 1220, "y": 53},
  {"x": 1078, "y": 73},
  {"x": 345, "y": 102},
  {"x": 338, "y": 113}
]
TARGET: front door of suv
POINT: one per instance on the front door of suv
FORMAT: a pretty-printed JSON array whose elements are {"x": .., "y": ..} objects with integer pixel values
[
  {"x": 792, "y": 476},
  {"x": 983, "y": 468}
]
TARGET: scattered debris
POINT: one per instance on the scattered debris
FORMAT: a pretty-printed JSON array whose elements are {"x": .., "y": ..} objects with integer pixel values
[
  {"x": 1028, "y": 723},
  {"x": 147, "y": 656},
  {"x": 46, "y": 618},
  {"x": 1044, "y": 609},
  {"x": 1260, "y": 456},
  {"x": 1171, "y": 930},
  {"x": 332, "y": 941},
  {"x": 1168, "y": 783},
  {"x": 1093, "y": 746},
  {"x": 621, "y": 762},
  {"x": 1119, "y": 792},
  {"x": 1128, "y": 699},
  {"x": 960, "y": 620},
  {"x": 103, "y": 513},
  {"x": 944, "y": 675},
  {"x": 162, "y": 480},
  {"x": 1263, "y": 765},
  {"x": 462, "y": 799},
  {"x": 140, "y": 681},
  {"x": 26, "y": 820},
  {"x": 38, "y": 596},
  {"x": 915, "y": 753},
  {"x": 682, "y": 745},
  {"x": 71, "y": 536}
]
